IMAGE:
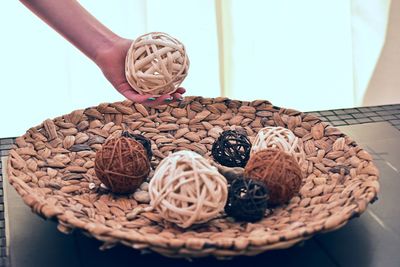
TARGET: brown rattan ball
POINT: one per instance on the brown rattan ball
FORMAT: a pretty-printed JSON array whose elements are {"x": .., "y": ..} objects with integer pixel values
[
  {"x": 156, "y": 64},
  {"x": 279, "y": 171},
  {"x": 231, "y": 149},
  {"x": 122, "y": 164},
  {"x": 247, "y": 200}
]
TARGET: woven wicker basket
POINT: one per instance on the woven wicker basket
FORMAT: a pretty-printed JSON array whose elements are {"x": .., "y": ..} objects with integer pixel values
[{"x": 51, "y": 167}]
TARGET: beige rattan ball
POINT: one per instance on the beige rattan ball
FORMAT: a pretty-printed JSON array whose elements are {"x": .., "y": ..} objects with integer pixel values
[
  {"x": 156, "y": 64},
  {"x": 280, "y": 138},
  {"x": 187, "y": 190}
]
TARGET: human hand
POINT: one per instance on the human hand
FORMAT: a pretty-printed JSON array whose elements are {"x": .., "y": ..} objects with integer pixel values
[
  {"x": 97, "y": 42},
  {"x": 112, "y": 62}
]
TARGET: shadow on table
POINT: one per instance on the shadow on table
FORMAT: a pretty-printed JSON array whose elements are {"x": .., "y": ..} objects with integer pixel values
[
  {"x": 306, "y": 254},
  {"x": 351, "y": 245},
  {"x": 348, "y": 246}
]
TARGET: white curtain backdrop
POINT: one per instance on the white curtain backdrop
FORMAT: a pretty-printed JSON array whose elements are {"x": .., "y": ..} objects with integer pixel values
[
  {"x": 307, "y": 55},
  {"x": 369, "y": 24}
]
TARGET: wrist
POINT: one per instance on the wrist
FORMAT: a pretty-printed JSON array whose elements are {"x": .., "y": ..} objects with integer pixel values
[{"x": 105, "y": 50}]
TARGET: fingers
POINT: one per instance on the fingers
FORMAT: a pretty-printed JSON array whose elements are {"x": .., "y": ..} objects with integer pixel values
[
  {"x": 129, "y": 93},
  {"x": 135, "y": 97},
  {"x": 178, "y": 94},
  {"x": 161, "y": 100},
  {"x": 181, "y": 90},
  {"x": 166, "y": 99},
  {"x": 150, "y": 100}
]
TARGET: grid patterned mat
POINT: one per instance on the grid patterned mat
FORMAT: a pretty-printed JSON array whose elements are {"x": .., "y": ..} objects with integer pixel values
[
  {"x": 337, "y": 117},
  {"x": 340, "y": 117}
]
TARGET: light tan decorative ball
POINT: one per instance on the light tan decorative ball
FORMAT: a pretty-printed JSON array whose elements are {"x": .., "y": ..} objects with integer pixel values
[
  {"x": 156, "y": 64},
  {"x": 187, "y": 190},
  {"x": 279, "y": 138}
]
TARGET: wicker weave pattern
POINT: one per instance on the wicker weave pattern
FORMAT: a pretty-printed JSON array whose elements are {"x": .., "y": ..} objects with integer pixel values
[{"x": 51, "y": 167}]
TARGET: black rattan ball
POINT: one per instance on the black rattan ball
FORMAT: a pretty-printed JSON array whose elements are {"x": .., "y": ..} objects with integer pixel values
[
  {"x": 141, "y": 139},
  {"x": 247, "y": 200},
  {"x": 231, "y": 149}
]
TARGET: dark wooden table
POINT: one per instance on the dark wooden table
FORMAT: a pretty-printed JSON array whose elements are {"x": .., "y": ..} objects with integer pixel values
[{"x": 373, "y": 239}]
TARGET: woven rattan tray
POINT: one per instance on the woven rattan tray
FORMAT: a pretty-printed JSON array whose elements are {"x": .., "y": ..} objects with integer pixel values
[{"x": 51, "y": 167}]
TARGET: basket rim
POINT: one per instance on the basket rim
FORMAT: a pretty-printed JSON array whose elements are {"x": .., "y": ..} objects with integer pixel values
[{"x": 137, "y": 240}]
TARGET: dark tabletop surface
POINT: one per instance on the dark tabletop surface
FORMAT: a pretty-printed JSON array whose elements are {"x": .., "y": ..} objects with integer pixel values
[{"x": 373, "y": 239}]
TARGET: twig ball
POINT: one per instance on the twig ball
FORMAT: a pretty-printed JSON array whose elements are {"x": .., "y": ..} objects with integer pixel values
[
  {"x": 122, "y": 164},
  {"x": 280, "y": 138},
  {"x": 146, "y": 143},
  {"x": 279, "y": 171},
  {"x": 229, "y": 173},
  {"x": 156, "y": 64},
  {"x": 231, "y": 149},
  {"x": 247, "y": 200},
  {"x": 187, "y": 190}
]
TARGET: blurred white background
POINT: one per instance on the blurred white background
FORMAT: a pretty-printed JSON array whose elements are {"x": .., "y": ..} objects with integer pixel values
[{"x": 307, "y": 55}]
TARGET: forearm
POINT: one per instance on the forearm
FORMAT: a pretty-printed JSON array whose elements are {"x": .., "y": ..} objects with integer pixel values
[{"x": 73, "y": 22}]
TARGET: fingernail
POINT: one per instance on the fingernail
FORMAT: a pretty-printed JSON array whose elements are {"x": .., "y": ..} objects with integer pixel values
[
  {"x": 151, "y": 98},
  {"x": 169, "y": 99}
]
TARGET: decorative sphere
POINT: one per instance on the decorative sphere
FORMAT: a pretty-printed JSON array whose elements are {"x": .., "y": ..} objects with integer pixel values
[
  {"x": 279, "y": 171},
  {"x": 280, "y": 138},
  {"x": 231, "y": 149},
  {"x": 122, "y": 164},
  {"x": 247, "y": 200},
  {"x": 187, "y": 190},
  {"x": 156, "y": 64}
]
